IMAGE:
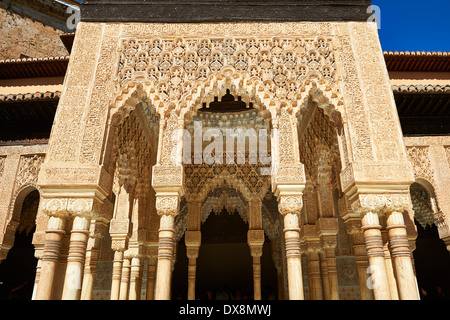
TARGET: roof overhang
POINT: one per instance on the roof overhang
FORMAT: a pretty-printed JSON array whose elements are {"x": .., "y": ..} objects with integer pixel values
[{"x": 184, "y": 11}]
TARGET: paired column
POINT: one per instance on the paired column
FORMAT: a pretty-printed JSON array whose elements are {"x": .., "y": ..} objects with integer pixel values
[
  {"x": 98, "y": 230},
  {"x": 75, "y": 261},
  {"x": 390, "y": 269},
  {"x": 151, "y": 272},
  {"x": 362, "y": 262},
  {"x": 116, "y": 274},
  {"x": 325, "y": 276},
  {"x": 313, "y": 269},
  {"x": 50, "y": 256},
  {"x": 125, "y": 278},
  {"x": 401, "y": 256},
  {"x": 378, "y": 280},
  {"x": 327, "y": 229},
  {"x": 135, "y": 279}
]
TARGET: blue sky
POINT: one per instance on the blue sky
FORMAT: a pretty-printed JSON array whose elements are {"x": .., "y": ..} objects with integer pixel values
[{"x": 414, "y": 25}]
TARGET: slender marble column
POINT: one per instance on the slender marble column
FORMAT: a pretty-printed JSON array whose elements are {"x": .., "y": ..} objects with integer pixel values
[
  {"x": 135, "y": 274},
  {"x": 313, "y": 269},
  {"x": 151, "y": 277},
  {"x": 116, "y": 274},
  {"x": 36, "y": 279},
  {"x": 256, "y": 252},
  {"x": 362, "y": 265},
  {"x": 293, "y": 256},
  {"x": 374, "y": 245},
  {"x": 75, "y": 261},
  {"x": 325, "y": 276},
  {"x": 255, "y": 239},
  {"x": 332, "y": 272},
  {"x": 50, "y": 256},
  {"x": 125, "y": 279},
  {"x": 89, "y": 271},
  {"x": 192, "y": 253},
  {"x": 401, "y": 256},
  {"x": 165, "y": 257},
  {"x": 390, "y": 273}
]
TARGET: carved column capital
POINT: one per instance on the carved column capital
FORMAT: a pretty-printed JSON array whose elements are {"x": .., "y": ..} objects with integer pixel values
[
  {"x": 90, "y": 207},
  {"x": 167, "y": 204},
  {"x": 290, "y": 204},
  {"x": 380, "y": 203},
  {"x": 56, "y": 207}
]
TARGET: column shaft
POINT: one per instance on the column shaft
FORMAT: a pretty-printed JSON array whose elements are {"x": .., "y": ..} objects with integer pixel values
[
  {"x": 125, "y": 279},
  {"x": 135, "y": 274},
  {"x": 75, "y": 261},
  {"x": 315, "y": 283},
  {"x": 293, "y": 256},
  {"x": 325, "y": 277},
  {"x": 192, "y": 274},
  {"x": 401, "y": 256},
  {"x": 390, "y": 273},
  {"x": 36, "y": 279},
  {"x": 117, "y": 275},
  {"x": 378, "y": 281},
  {"x": 165, "y": 256},
  {"x": 89, "y": 274},
  {"x": 362, "y": 265},
  {"x": 257, "y": 277},
  {"x": 50, "y": 256},
  {"x": 151, "y": 276}
]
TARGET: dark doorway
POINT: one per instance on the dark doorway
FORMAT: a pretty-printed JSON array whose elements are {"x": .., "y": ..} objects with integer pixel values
[
  {"x": 18, "y": 270},
  {"x": 432, "y": 261}
]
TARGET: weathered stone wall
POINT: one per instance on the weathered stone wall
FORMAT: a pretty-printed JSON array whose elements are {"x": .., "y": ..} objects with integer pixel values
[{"x": 24, "y": 36}]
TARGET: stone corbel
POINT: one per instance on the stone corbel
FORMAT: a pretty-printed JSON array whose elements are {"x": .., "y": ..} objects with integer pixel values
[{"x": 193, "y": 238}]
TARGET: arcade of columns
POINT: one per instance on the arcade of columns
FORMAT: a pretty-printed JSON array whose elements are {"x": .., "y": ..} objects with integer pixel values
[{"x": 112, "y": 158}]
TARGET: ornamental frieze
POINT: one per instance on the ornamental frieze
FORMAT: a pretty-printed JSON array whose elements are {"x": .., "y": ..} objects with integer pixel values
[
  {"x": 29, "y": 167},
  {"x": 174, "y": 65}
]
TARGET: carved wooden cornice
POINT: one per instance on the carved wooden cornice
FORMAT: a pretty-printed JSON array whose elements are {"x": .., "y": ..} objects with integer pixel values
[{"x": 216, "y": 10}]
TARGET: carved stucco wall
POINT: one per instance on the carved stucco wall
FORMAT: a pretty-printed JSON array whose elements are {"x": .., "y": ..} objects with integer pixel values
[
  {"x": 19, "y": 170},
  {"x": 430, "y": 157},
  {"x": 354, "y": 80}
]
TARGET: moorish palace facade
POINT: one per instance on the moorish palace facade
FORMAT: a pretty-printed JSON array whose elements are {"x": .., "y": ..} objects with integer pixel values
[{"x": 102, "y": 198}]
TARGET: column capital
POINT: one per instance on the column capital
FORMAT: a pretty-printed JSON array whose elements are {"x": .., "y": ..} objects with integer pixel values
[
  {"x": 91, "y": 207},
  {"x": 192, "y": 252},
  {"x": 167, "y": 204},
  {"x": 290, "y": 204},
  {"x": 380, "y": 203}
]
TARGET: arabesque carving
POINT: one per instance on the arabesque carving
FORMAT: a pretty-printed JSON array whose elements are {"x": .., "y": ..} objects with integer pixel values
[{"x": 174, "y": 65}]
